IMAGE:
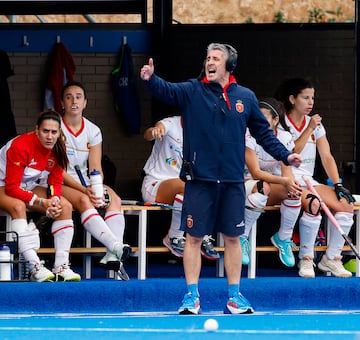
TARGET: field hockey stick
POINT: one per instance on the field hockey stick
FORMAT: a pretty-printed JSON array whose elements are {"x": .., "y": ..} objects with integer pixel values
[
  {"x": 331, "y": 217},
  {"x": 150, "y": 204},
  {"x": 80, "y": 175}
]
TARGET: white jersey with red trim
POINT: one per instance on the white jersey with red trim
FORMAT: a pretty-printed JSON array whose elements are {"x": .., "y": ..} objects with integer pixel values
[
  {"x": 308, "y": 153},
  {"x": 267, "y": 162},
  {"x": 78, "y": 146},
  {"x": 166, "y": 156},
  {"x": 26, "y": 164}
]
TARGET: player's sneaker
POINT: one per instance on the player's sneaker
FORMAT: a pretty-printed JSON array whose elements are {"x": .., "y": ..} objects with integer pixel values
[
  {"x": 65, "y": 273},
  {"x": 306, "y": 267},
  {"x": 121, "y": 274},
  {"x": 122, "y": 251},
  {"x": 208, "y": 250},
  {"x": 41, "y": 274},
  {"x": 285, "y": 250},
  {"x": 190, "y": 304},
  {"x": 334, "y": 266},
  {"x": 176, "y": 245},
  {"x": 245, "y": 249},
  {"x": 238, "y": 304},
  {"x": 110, "y": 261}
]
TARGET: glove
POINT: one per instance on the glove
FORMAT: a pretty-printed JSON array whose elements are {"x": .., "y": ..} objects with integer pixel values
[{"x": 342, "y": 192}]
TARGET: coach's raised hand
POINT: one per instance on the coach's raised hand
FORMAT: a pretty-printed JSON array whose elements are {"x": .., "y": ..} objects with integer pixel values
[{"x": 147, "y": 70}]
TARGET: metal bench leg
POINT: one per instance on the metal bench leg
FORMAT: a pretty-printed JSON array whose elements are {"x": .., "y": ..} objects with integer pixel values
[
  {"x": 142, "y": 244},
  {"x": 252, "y": 240}
]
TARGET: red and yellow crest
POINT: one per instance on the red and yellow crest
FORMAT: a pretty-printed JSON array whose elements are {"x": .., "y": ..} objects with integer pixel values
[
  {"x": 239, "y": 106},
  {"x": 189, "y": 221},
  {"x": 50, "y": 163}
]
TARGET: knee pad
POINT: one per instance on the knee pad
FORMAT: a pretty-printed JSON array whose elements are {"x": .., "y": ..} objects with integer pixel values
[
  {"x": 28, "y": 235},
  {"x": 260, "y": 186},
  {"x": 107, "y": 199},
  {"x": 312, "y": 199}
]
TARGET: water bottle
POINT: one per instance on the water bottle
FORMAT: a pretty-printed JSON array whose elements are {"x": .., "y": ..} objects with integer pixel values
[
  {"x": 97, "y": 186},
  {"x": 5, "y": 263}
]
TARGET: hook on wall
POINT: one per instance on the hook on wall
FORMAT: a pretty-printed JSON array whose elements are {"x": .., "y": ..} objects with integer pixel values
[
  {"x": 124, "y": 40},
  {"x": 25, "y": 41},
  {"x": 58, "y": 38},
  {"x": 91, "y": 41}
]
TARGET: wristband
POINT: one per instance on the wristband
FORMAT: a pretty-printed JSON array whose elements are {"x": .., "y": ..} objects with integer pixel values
[{"x": 32, "y": 201}]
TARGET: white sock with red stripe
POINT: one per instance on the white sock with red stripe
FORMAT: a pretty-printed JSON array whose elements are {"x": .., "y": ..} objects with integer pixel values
[
  {"x": 116, "y": 222},
  {"x": 96, "y": 226},
  {"x": 255, "y": 200},
  {"x": 289, "y": 210},
  {"x": 308, "y": 229},
  {"x": 63, "y": 232}
]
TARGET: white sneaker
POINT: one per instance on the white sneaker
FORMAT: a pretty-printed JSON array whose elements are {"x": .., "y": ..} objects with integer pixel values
[
  {"x": 335, "y": 266},
  {"x": 41, "y": 274},
  {"x": 122, "y": 251},
  {"x": 110, "y": 261},
  {"x": 65, "y": 273},
  {"x": 306, "y": 267}
]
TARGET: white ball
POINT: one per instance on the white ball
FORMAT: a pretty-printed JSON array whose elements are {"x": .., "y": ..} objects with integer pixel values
[{"x": 211, "y": 325}]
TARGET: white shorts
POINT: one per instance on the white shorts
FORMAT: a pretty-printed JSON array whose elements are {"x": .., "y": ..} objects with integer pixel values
[{"x": 149, "y": 188}]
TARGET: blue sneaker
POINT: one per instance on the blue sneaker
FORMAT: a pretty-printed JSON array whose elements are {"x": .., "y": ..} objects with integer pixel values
[
  {"x": 190, "y": 304},
  {"x": 245, "y": 249},
  {"x": 285, "y": 250},
  {"x": 238, "y": 305}
]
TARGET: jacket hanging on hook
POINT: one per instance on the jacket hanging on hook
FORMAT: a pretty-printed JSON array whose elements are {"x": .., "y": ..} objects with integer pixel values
[
  {"x": 60, "y": 69},
  {"x": 125, "y": 90}
]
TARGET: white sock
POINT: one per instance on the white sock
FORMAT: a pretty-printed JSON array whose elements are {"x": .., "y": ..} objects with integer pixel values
[
  {"x": 63, "y": 232},
  {"x": 96, "y": 226},
  {"x": 336, "y": 241},
  {"x": 289, "y": 210},
  {"x": 174, "y": 230},
  {"x": 308, "y": 228},
  {"x": 254, "y": 200},
  {"x": 32, "y": 257},
  {"x": 116, "y": 222},
  {"x": 20, "y": 225}
]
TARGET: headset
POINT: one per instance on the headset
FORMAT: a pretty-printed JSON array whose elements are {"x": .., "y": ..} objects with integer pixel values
[
  {"x": 230, "y": 62},
  {"x": 232, "y": 59}
]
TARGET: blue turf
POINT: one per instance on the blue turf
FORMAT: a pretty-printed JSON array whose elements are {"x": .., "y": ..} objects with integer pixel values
[
  {"x": 257, "y": 326},
  {"x": 164, "y": 295}
]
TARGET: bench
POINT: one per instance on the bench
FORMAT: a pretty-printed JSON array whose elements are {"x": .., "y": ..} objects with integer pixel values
[
  {"x": 140, "y": 251},
  {"x": 88, "y": 250},
  {"x": 254, "y": 249}
]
